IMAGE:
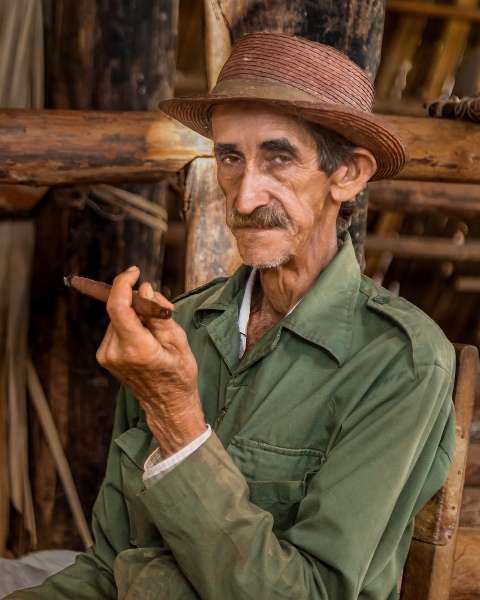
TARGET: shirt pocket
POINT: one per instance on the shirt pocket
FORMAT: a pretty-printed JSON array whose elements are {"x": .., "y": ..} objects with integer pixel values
[
  {"x": 277, "y": 477},
  {"x": 136, "y": 445}
]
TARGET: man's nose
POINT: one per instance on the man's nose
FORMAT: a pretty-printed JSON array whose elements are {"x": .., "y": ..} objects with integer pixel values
[{"x": 252, "y": 191}]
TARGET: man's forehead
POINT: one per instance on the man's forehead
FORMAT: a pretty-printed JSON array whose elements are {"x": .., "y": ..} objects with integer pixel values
[{"x": 253, "y": 118}]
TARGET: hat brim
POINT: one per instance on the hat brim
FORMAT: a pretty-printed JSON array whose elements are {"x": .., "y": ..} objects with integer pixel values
[{"x": 363, "y": 129}]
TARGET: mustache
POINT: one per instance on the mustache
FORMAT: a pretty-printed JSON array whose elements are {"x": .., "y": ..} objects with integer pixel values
[{"x": 264, "y": 217}]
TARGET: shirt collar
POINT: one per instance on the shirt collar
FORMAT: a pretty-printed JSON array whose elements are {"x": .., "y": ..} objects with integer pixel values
[{"x": 325, "y": 314}]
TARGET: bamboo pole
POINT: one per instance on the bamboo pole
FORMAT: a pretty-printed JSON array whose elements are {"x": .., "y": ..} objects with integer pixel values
[
  {"x": 217, "y": 41},
  {"x": 44, "y": 414},
  {"x": 449, "y": 55}
]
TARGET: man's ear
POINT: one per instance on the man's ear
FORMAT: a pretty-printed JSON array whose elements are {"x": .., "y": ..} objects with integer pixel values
[{"x": 350, "y": 178}]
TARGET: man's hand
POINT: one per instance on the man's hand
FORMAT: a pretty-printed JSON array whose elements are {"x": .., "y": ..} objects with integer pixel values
[{"x": 152, "y": 357}]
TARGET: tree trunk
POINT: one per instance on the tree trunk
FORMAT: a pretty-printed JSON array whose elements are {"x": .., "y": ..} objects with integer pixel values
[
  {"x": 117, "y": 55},
  {"x": 354, "y": 27}
]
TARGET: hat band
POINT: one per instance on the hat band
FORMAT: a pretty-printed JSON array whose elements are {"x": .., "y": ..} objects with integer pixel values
[{"x": 263, "y": 90}]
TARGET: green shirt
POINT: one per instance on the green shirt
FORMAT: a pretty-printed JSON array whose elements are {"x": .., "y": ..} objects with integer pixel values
[{"x": 330, "y": 434}]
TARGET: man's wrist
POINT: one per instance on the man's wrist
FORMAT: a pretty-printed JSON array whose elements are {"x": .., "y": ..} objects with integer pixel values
[
  {"x": 174, "y": 434},
  {"x": 174, "y": 428}
]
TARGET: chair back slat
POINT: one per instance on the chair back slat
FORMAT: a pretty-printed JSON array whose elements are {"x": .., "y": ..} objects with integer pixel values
[{"x": 428, "y": 570}]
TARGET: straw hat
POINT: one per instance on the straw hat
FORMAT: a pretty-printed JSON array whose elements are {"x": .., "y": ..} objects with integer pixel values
[{"x": 304, "y": 78}]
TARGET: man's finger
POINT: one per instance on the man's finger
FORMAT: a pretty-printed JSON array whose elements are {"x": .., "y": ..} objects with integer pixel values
[
  {"x": 119, "y": 305},
  {"x": 146, "y": 291}
]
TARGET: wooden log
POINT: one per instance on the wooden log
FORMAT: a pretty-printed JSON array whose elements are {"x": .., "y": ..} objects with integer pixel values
[
  {"x": 454, "y": 200},
  {"x": 440, "y": 150},
  {"x": 64, "y": 147},
  {"x": 115, "y": 147},
  {"x": 466, "y": 284},
  {"x": 432, "y": 248},
  {"x": 433, "y": 11},
  {"x": 429, "y": 565}
]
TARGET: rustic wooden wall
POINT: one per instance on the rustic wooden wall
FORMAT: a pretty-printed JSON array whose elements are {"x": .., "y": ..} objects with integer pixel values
[{"x": 117, "y": 55}]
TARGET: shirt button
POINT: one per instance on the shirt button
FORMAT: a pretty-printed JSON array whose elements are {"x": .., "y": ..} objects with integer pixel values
[
  {"x": 381, "y": 299},
  {"x": 221, "y": 415}
]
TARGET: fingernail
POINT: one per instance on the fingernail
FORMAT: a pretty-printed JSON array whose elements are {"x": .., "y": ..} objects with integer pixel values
[
  {"x": 149, "y": 292},
  {"x": 134, "y": 268}
]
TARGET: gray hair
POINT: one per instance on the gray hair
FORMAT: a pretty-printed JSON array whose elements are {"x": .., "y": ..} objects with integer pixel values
[{"x": 333, "y": 150}]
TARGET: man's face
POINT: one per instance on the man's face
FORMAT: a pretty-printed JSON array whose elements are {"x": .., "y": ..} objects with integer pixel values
[{"x": 277, "y": 200}]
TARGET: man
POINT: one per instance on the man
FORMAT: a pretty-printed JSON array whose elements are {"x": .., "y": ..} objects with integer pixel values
[{"x": 291, "y": 420}]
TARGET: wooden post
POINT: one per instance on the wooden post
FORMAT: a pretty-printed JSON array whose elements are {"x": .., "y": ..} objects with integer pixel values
[
  {"x": 352, "y": 26},
  {"x": 104, "y": 56}
]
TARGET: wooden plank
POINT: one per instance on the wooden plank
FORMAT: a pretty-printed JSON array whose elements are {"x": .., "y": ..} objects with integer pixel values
[
  {"x": 438, "y": 519},
  {"x": 429, "y": 566}
]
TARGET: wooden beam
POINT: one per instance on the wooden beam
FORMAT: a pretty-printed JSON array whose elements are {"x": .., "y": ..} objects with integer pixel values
[
  {"x": 440, "y": 149},
  {"x": 433, "y": 248},
  {"x": 433, "y": 11},
  {"x": 454, "y": 200},
  {"x": 60, "y": 147},
  {"x": 467, "y": 284},
  {"x": 54, "y": 147}
]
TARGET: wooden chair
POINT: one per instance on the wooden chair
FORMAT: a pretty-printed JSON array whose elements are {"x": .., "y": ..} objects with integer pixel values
[{"x": 428, "y": 571}]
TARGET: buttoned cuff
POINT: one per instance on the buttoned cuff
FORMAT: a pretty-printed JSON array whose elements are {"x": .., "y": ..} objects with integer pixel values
[{"x": 156, "y": 466}]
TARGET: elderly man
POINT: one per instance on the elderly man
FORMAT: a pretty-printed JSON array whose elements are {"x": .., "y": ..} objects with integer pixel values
[{"x": 276, "y": 438}]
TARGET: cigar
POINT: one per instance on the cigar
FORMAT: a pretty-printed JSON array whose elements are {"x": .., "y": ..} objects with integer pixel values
[{"x": 101, "y": 291}]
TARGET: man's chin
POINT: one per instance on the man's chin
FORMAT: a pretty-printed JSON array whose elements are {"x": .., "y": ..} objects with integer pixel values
[
  {"x": 265, "y": 262},
  {"x": 263, "y": 249}
]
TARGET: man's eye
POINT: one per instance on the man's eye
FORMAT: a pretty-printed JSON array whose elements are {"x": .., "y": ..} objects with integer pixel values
[
  {"x": 282, "y": 159},
  {"x": 230, "y": 159}
]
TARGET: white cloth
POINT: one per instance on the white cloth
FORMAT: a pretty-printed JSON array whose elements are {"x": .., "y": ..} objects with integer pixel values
[
  {"x": 32, "y": 569},
  {"x": 156, "y": 466}
]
